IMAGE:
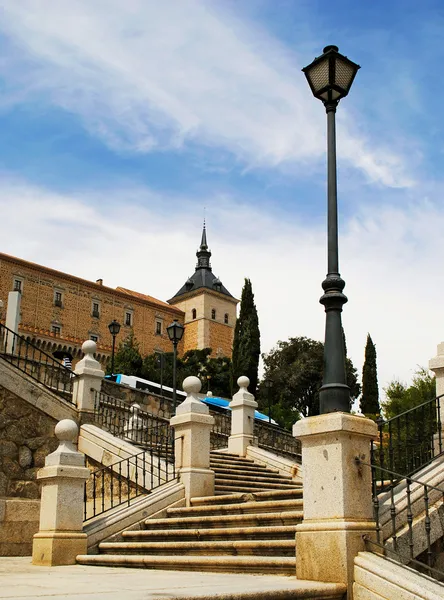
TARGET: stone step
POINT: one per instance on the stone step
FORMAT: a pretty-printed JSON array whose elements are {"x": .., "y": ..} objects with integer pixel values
[
  {"x": 253, "y": 507},
  {"x": 225, "y": 489},
  {"x": 244, "y": 468},
  {"x": 278, "y": 532},
  {"x": 282, "y": 518},
  {"x": 282, "y": 565},
  {"x": 249, "y": 497},
  {"x": 230, "y": 457},
  {"x": 203, "y": 548},
  {"x": 259, "y": 477},
  {"x": 253, "y": 483}
]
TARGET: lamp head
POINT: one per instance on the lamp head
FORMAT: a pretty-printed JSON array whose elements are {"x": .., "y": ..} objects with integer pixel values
[{"x": 330, "y": 75}]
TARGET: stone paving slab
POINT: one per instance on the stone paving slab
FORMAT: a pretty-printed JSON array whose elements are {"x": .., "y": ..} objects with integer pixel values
[{"x": 20, "y": 580}]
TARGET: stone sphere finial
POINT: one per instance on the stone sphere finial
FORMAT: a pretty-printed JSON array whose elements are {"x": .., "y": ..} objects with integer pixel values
[
  {"x": 192, "y": 385},
  {"x": 243, "y": 382},
  {"x": 134, "y": 408},
  {"x": 66, "y": 430},
  {"x": 89, "y": 347}
]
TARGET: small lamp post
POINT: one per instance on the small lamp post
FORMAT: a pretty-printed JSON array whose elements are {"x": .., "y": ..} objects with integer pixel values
[
  {"x": 268, "y": 386},
  {"x": 161, "y": 363},
  {"x": 175, "y": 333},
  {"x": 330, "y": 77},
  {"x": 114, "y": 328}
]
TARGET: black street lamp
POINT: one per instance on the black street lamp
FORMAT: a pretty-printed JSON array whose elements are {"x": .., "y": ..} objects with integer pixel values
[
  {"x": 268, "y": 386},
  {"x": 175, "y": 333},
  {"x": 114, "y": 328},
  {"x": 330, "y": 77}
]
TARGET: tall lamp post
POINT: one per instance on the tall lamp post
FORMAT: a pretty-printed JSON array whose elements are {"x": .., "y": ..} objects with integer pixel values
[
  {"x": 175, "y": 333},
  {"x": 268, "y": 386},
  {"x": 330, "y": 77},
  {"x": 114, "y": 328}
]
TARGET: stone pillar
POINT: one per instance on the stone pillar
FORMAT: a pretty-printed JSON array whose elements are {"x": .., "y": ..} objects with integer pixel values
[
  {"x": 135, "y": 425},
  {"x": 338, "y": 509},
  {"x": 89, "y": 379},
  {"x": 242, "y": 407},
  {"x": 60, "y": 538},
  {"x": 192, "y": 424},
  {"x": 12, "y": 318},
  {"x": 436, "y": 365}
]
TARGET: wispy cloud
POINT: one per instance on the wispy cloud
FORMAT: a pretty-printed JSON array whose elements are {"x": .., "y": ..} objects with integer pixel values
[
  {"x": 391, "y": 261},
  {"x": 144, "y": 76}
]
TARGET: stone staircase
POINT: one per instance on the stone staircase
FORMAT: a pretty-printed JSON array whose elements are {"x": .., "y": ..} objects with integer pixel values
[{"x": 248, "y": 526}]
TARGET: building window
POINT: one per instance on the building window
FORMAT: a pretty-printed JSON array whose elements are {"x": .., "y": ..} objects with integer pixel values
[
  {"x": 194, "y": 313},
  {"x": 58, "y": 299},
  {"x": 226, "y": 319},
  {"x": 94, "y": 338},
  {"x": 158, "y": 327},
  {"x": 18, "y": 285},
  {"x": 128, "y": 319},
  {"x": 95, "y": 310},
  {"x": 213, "y": 313},
  {"x": 56, "y": 330}
]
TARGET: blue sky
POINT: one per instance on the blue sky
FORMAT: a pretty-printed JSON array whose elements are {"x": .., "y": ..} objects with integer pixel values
[{"x": 121, "y": 120}]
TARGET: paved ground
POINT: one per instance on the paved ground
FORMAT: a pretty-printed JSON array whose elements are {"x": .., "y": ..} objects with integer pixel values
[{"x": 19, "y": 580}]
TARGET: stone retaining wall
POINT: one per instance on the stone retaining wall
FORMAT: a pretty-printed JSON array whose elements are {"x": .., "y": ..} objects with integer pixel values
[{"x": 26, "y": 438}]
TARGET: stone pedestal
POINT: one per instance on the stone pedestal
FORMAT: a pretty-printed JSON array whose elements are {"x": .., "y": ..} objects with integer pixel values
[
  {"x": 60, "y": 538},
  {"x": 338, "y": 508},
  {"x": 192, "y": 424},
  {"x": 242, "y": 407},
  {"x": 89, "y": 379},
  {"x": 436, "y": 365}
]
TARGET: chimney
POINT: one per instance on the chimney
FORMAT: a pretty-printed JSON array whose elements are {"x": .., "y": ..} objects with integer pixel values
[{"x": 99, "y": 281}]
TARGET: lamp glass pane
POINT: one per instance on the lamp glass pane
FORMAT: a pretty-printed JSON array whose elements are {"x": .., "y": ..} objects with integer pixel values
[
  {"x": 344, "y": 73},
  {"x": 318, "y": 75}
]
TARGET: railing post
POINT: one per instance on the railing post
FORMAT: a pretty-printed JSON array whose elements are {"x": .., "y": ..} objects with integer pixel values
[
  {"x": 192, "y": 424},
  {"x": 242, "y": 407},
  {"x": 60, "y": 538},
  {"x": 436, "y": 365},
  {"x": 89, "y": 379},
  {"x": 12, "y": 318},
  {"x": 338, "y": 509}
]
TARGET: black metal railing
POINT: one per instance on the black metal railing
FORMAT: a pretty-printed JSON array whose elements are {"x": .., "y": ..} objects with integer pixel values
[
  {"x": 42, "y": 367},
  {"x": 403, "y": 517},
  {"x": 411, "y": 440},
  {"x": 123, "y": 481},
  {"x": 221, "y": 429},
  {"x": 131, "y": 423},
  {"x": 275, "y": 439}
]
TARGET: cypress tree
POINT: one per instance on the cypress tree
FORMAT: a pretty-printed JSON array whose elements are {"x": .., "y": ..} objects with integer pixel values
[
  {"x": 246, "y": 344},
  {"x": 370, "y": 393}
]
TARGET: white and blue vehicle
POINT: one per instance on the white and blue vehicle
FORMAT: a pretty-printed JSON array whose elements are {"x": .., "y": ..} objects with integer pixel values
[{"x": 150, "y": 386}]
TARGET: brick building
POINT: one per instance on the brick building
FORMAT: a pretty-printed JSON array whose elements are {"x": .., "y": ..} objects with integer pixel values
[
  {"x": 58, "y": 311},
  {"x": 210, "y": 309}
]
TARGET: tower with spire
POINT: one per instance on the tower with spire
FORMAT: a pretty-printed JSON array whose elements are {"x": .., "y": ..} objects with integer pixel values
[{"x": 210, "y": 309}]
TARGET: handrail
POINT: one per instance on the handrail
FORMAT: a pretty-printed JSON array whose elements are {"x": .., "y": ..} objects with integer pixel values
[
  {"x": 412, "y": 439},
  {"x": 423, "y": 492},
  {"x": 125, "y": 480},
  {"x": 38, "y": 364},
  {"x": 279, "y": 440}
]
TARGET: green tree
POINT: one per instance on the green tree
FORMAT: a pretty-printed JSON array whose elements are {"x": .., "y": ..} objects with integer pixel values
[
  {"x": 370, "y": 394},
  {"x": 215, "y": 373},
  {"x": 296, "y": 369},
  {"x": 400, "y": 397},
  {"x": 246, "y": 344},
  {"x": 128, "y": 359}
]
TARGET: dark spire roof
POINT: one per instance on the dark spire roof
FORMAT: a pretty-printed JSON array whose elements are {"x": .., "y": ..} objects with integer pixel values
[{"x": 203, "y": 276}]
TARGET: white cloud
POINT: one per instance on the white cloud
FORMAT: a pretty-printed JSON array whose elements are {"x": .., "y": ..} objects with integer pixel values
[
  {"x": 147, "y": 75},
  {"x": 391, "y": 262}
]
